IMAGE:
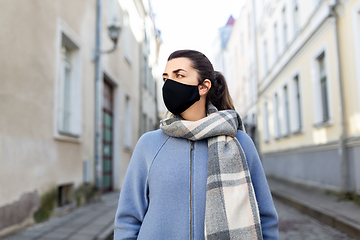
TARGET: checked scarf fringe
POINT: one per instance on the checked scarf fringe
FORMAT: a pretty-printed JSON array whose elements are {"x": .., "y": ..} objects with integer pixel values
[{"x": 231, "y": 207}]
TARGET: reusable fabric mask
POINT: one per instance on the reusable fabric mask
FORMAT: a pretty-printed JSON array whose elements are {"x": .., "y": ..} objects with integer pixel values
[{"x": 178, "y": 96}]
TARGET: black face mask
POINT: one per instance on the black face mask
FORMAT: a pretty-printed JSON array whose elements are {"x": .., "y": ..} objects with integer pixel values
[{"x": 178, "y": 96}]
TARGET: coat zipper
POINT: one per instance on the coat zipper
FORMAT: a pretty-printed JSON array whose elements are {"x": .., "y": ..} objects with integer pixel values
[{"x": 191, "y": 180}]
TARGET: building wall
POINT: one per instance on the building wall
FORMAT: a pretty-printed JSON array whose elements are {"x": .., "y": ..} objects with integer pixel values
[
  {"x": 241, "y": 69},
  {"x": 304, "y": 66},
  {"x": 310, "y": 154},
  {"x": 29, "y": 151},
  {"x": 35, "y": 157},
  {"x": 349, "y": 30}
]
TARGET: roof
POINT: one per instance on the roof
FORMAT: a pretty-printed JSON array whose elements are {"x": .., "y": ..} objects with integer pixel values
[{"x": 230, "y": 21}]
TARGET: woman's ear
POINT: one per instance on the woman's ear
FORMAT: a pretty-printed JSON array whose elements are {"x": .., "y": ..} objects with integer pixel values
[{"x": 204, "y": 87}]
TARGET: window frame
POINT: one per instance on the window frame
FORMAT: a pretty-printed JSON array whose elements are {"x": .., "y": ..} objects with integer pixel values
[
  {"x": 285, "y": 26},
  {"x": 277, "y": 123},
  {"x": 266, "y": 122},
  {"x": 128, "y": 38},
  {"x": 66, "y": 36},
  {"x": 276, "y": 41},
  {"x": 128, "y": 122},
  {"x": 319, "y": 120},
  {"x": 296, "y": 14},
  {"x": 286, "y": 110},
  {"x": 296, "y": 105},
  {"x": 266, "y": 58}
]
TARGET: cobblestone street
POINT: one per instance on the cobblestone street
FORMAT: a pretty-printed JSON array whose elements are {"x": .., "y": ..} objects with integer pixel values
[{"x": 294, "y": 225}]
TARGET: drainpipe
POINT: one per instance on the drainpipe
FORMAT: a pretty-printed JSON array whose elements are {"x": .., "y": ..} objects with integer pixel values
[
  {"x": 342, "y": 146},
  {"x": 254, "y": 37},
  {"x": 98, "y": 95}
]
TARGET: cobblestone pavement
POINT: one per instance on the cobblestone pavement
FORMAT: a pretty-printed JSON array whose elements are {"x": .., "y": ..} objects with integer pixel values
[
  {"x": 93, "y": 221},
  {"x": 294, "y": 225}
]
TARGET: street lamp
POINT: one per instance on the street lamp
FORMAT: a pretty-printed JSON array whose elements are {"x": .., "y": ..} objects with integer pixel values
[{"x": 114, "y": 32}]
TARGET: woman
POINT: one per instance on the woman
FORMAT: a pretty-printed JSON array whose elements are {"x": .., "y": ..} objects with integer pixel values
[{"x": 199, "y": 176}]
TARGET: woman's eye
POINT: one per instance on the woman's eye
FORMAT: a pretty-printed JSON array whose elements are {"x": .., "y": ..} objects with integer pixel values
[{"x": 179, "y": 75}]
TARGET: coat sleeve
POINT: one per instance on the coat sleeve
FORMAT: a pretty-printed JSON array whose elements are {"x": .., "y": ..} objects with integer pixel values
[
  {"x": 268, "y": 214},
  {"x": 133, "y": 200}
]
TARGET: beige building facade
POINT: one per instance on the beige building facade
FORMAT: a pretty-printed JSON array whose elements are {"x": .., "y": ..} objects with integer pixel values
[
  {"x": 47, "y": 101},
  {"x": 305, "y": 67},
  {"x": 309, "y": 92}
]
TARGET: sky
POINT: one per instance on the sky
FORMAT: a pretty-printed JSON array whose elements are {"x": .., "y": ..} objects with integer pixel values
[{"x": 189, "y": 24}]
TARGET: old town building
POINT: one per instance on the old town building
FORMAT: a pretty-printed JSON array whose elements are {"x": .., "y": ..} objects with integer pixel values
[{"x": 47, "y": 101}]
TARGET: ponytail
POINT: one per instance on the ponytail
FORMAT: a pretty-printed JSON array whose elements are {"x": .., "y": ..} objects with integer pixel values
[{"x": 219, "y": 94}]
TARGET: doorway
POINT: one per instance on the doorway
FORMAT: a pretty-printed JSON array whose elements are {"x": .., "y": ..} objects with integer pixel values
[{"x": 107, "y": 138}]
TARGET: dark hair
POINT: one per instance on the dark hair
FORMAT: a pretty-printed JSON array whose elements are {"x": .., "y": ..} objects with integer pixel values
[{"x": 218, "y": 94}]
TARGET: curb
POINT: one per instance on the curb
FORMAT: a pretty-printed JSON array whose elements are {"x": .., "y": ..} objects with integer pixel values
[
  {"x": 341, "y": 223},
  {"x": 107, "y": 233}
]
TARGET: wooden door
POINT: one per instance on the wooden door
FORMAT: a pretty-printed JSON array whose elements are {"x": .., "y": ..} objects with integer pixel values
[{"x": 107, "y": 142}]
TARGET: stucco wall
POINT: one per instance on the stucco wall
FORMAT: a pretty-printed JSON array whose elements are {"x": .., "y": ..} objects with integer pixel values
[{"x": 33, "y": 158}]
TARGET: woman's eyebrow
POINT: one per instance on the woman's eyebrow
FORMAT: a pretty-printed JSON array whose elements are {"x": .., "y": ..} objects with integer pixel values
[
  {"x": 175, "y": 71},
  {"x": 178, "y": 70}
]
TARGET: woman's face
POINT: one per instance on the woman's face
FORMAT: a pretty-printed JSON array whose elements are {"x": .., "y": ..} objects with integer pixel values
[{"x": 180, "y": 70}]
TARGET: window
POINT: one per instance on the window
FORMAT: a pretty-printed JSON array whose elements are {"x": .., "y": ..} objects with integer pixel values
[
  {"x": 276, "y": 116},
  {"x": 284, "y": 26},
  {"x": 65, "y": 194},
  {"x": 69, "y": 89},
  {"x": 244, "y": 89},
  {"x": 127, "y": 39},
  {"x": 297, "y": 110},
  {"x": 151, "y": 125},
  {"x": 144, "y": 71},
  {"x": 249, "y": 27},
  {"x": 296, "y": 16},
  {"x": 276, "y": 41},
  {"x": 265, "y": 58},
  {"x": 286, "y": 111},
  {"x": 242, "y": 44},
  {"x": 143, "y": 123},
  {"x": 323, "y": 88},
  {"x": 266, "y": 123},
  {"x": 128, "y": 125}
]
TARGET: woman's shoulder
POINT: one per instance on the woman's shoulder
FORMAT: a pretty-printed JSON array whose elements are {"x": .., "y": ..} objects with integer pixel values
[
  {"x": 244, "y": 139},
  {"x": 152, "y": 139},
  {"x": 153, "y": 135},
  {"x": 248, "y": 146}
]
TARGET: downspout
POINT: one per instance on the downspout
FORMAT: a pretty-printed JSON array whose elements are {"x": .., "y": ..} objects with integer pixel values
[
  {"x": 342, "y": 139},
  {"x": 142, "y": 77},
  {"x": 257, "y": 143},
  {"x": 98, "y": 95}
]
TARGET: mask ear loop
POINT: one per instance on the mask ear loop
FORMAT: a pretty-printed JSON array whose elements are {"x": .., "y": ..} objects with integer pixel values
[{"x": 201, "y": 82}]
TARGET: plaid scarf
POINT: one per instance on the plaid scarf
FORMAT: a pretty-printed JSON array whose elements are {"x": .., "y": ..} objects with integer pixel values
[{"x": 231, "y": 207}]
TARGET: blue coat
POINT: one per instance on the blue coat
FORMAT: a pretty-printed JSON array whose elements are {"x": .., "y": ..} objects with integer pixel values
[{"x": 154, "y": 202}]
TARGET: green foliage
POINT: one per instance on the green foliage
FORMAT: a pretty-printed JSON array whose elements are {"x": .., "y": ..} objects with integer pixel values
[
  {"x": 47, "y": 206},
  {"x": 80, "y": 195},
  {"x": 85, "y": 193},
  {"x": 350, "y": 196}
]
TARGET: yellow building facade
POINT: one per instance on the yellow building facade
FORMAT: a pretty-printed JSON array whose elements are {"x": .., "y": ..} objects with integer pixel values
[{"x": 309, "y": 92}]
